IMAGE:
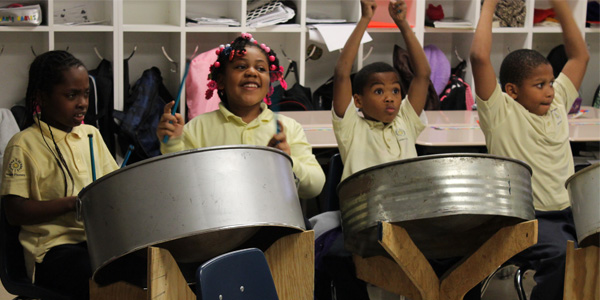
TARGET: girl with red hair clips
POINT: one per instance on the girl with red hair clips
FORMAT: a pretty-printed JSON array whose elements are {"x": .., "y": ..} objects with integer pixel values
[{"x": 242, "y": 77}]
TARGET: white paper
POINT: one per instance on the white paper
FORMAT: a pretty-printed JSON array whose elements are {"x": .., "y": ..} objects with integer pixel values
[{"x": 334, "y": 36}]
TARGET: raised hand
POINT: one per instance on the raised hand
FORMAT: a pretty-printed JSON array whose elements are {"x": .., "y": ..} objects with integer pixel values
[
  {"x": 367, "y": 8},
  {"x": 397, "y": 10}
]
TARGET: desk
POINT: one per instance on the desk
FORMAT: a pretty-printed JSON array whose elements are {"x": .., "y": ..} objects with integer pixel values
[
  {"x": 461, "y": 128},
  {"x": 317, "y": 127},
  {"x": 446, "y": 128}
]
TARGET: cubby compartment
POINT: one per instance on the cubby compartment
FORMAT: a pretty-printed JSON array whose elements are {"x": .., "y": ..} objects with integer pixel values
[
  {"x": 95, "y": 12},
  {"x": 466, "y": 10},
  {"x": 214, "y": 9},
  {"x": 591, "y": 81},
  {"x": 455, "y": 46},
  {"x": 153, "y": 12},
  {"x": 85, "y": 45},
  {"x": 149, "y": 53},
  {"x": 18, "y": 50},
  {"x": 504, "y": 43},
  {"x": 333, "y": 9}
]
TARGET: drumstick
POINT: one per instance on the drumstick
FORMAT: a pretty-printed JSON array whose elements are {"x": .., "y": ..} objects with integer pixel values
[
  {"x": 181, "y": 85},
  {"x": 90, "y": 136},
  {"x": 127, "y": 155}
]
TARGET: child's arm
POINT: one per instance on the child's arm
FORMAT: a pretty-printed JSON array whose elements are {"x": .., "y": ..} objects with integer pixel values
[
  {"x": 22, "y": 211},
  {"x": 483, "y": 71},
  {"x": 417, "y": 91},
  {"x": 575, "y": 46},
  {"x": 171, "y": 125},
  {"x": 342, "y": 85}
]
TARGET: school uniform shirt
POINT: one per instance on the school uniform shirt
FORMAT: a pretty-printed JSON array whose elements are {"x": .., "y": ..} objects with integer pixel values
[
  {"x": 221, "y": 127},
  {"x": 365, "y": 143},
  {"x": 541, "y": 141},
  {"x": 31, "y": 170}
]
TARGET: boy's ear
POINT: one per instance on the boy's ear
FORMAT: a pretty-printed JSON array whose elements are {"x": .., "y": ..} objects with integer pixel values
[
  {"x": 357, "y": 100},
  {"x": 512, "y": 90}
]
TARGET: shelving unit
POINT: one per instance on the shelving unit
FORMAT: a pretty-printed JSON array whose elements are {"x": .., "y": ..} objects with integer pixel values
[{"x": 151, "y": 25}]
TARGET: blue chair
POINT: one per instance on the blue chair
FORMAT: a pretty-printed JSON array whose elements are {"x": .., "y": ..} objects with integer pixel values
[
  {"x": 12, "y": 266},
  {"x": 238, "y": 275}
]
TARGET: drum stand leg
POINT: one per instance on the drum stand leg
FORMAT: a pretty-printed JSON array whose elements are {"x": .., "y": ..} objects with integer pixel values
[
  {"x": 582, "y": 273},
  {"x": 291, "y": 260},
  {"x": 292, "y": 263},
  {"x": 413, "y": 276}
]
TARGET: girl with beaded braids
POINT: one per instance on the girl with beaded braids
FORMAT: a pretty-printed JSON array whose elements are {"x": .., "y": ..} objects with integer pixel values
[
  {"x": 242, "y": 77},
  {"x": 45, "y": 167}
]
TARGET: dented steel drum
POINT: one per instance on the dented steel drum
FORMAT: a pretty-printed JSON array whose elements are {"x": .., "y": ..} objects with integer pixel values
[
  {"x": 450, "y": 204},
  {"x": 197, "y": 204},
  {"x": 584, "y": 192}
]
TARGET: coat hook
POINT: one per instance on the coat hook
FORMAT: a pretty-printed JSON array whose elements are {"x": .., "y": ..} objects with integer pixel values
[
  {"x": 98, "y": 53},
  {"x": 67, "y": 50},
  {"x": 194, "y": 53},
  {"x": 368, "y": 53},
  {"x": 33, "y": 51},
  {"x": 285, "y": 55},
  {"x": 457, "y": 55},
  {"x": 173, "y": 63},
  {"x": 132, "y": 52},
  {"x": 2, "y": 50}
]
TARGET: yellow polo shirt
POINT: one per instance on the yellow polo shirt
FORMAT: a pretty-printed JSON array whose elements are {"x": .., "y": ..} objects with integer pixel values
[
  {"x": 221, "y": 127},
  {"x": 31, "y": 171},
  {"x": 541, "y": 141},
  {"x": 364, "y": 143}
]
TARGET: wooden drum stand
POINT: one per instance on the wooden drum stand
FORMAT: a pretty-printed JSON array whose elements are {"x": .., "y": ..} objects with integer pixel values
[
  {"x": 291, "y": 260},
  {"x": 412, "y": 276}
]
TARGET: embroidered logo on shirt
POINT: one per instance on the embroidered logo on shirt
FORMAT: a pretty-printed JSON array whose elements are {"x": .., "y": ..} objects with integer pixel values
[
  {"x": 15, "y": 166},
  {"x": 401, "y": 134},
  {"x": 557, "y": 117}
]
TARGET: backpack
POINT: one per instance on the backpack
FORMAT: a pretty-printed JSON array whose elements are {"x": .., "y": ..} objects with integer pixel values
[
  {"x": 139, "y": 119},
  {"x": 100, "y": 110},
  {"x": 323, "y": 95},
  {"x": 295, "y": 98}
]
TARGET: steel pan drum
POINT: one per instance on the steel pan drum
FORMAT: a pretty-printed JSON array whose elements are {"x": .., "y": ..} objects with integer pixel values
[
  {"x": 197, "y": 204},
  {"x": 449, "y": 204},
  {"x": 584, "y": 192}
]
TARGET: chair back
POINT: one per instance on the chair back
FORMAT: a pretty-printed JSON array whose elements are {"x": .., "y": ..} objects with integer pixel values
[
  {"x": 238, "y": 275},
  {"x": 12, "y": 265},
  {"x": 334, "y": 175}
]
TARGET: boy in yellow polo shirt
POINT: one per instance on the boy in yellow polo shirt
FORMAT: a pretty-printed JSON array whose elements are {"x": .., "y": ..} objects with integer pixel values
[
  {"x": 525, "y": 117},
  {"x": 390, "y": 125}
]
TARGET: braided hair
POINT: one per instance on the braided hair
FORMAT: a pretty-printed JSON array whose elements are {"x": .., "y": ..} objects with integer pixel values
[
  {"x": 46, "y": 72},
  {"x": 226, "y": 54}
]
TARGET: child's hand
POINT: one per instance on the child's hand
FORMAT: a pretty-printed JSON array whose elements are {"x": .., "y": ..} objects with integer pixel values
[
  {"x": 397, "y": 10},
  {"x": 171, "y": 125},
  {"x": 279, "y": 140},
  {"x": 367, "y": 8}
]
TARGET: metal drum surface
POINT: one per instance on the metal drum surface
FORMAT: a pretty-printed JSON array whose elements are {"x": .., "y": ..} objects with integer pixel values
[
  {"x": 584, "y": 192},
  {"x": 197, "y": 204},
  {"x": 450, "y": 204}
]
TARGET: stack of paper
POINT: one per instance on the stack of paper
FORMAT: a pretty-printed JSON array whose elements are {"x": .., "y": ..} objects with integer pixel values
[
  {"x": 213, "y": 21},
  {"x": 453, "y": 23}
]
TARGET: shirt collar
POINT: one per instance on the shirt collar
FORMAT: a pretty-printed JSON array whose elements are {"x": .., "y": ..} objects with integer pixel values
[
  {"x": 58, "y": 134},
  {"x": 377, "y": 124},
  {"x": 265, "y": 116}
]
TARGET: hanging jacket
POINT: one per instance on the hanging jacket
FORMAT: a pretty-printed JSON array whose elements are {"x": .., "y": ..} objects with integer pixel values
[
  {"x": 139, "y": 121},
  {"x": 402, "y": 65},
  {"x": 100, "y": 110},
  {"x": 195, "y": 85}
]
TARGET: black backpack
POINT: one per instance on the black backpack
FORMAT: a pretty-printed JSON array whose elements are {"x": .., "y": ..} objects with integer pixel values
[
  {"x": 141, "y": 114},
  {"x": 295, "y": 98}
]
